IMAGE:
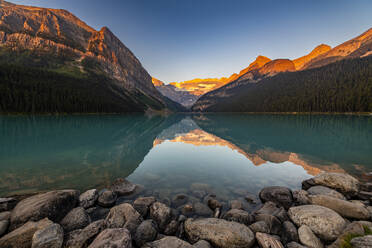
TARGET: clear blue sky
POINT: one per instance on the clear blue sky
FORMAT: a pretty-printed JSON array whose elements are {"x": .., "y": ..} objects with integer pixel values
[{"x": 179, "y": 40}]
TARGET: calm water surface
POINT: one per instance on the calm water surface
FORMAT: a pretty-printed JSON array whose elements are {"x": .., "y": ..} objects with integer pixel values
[{"x": 228, "y": 153}]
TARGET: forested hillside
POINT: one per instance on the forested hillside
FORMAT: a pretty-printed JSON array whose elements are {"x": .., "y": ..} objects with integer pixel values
[{"x": 344, "y": 86}]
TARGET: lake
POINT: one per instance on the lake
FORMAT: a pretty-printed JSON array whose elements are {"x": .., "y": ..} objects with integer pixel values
[{"x": 230, "y": 154}]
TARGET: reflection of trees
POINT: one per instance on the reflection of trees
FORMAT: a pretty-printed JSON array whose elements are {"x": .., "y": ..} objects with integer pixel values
[{"x": 79, "y": 151}]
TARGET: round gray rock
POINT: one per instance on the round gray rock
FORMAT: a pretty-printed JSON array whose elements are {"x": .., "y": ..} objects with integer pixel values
[
  {"x": 324, "y": 222},
  {"x": 161, "y": 214},
  {"x": 77, "y": 218},
  {"x": 124, "y": 215},
  {"x": 146, "y": 232},
  {"x": 220, "y": 233},
  {"x": 123, "y": 187},
  {"x": 106, "y": 198},
  {"x": 279, "y": 195}
]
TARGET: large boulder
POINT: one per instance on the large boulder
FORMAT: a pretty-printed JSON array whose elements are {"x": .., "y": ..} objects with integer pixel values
[
  {"x": 354, "y": 228},
  {"x": 112, "y": 238},
  {"x": 308, "y": 238},
  {"x": 122, "y": 187},
  {"x": 168, "y": 242},
  {"x": 341, "y": 182},
  {"x": 362, "y": 242},
  {"x": 124, "y": 216},
  {"x": 161, "y": 214},
  {"x": 50, "y": 236},
  {"x": 324, "y": 222},
  {"x": 82, "y": 237},
  {"x": 220, "y": 233},
  {"x": 344, "y": 208},
  {"x": 322, "y": 190},
  {"x": 279, "y": 195},
  {"x": 77, "y": 218},
  {"x": 53, "y": 205},
  {"x": 239, "y": 216},
  {"x": 88, "y": 198},
  {"x": 22, "y": 236}
]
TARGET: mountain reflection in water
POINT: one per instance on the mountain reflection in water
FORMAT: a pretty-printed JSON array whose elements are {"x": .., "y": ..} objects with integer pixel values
[{"x": 170, "y": 154}]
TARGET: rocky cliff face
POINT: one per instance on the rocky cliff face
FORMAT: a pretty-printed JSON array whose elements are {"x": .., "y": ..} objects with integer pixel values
[
  {"x": 356, "y": 47},
  {"x": 59, "y": 32},
  {"x": 317, "y": 51}
]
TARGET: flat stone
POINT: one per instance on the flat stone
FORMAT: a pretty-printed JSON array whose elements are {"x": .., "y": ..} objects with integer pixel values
[
  {"x": 239, "y": 216},
  {"x": 341, "y": 182},
  {"x": 124, "y": 216},
  {"x": 53, "y": 205},
  {"x": 161, "y": 214},
  {"x": 308, "y": 238},
  {"x": 122, "y": 187},
  {"x": 220, "y": 233},
  {"x": 88, "y": 198},
  {"x": 279, "y": 195},
  {"x": 324, "y": 222},
  {"x": 82, "y": 237},
  {"x": 106, "y": 198},
  {"x": 344, "y": 208},
  {"x": 112, "y": 238},
  {"x": 77, "y": 218},
  {"x": 268, "y": 241},
  {"x": 142, "y": 204},
  {"x": 362, "y": 242},
  {"x": 322, "y": 190},
  {"x": 22, "y": 236},
  {"x": 168, "y": 242},
  {"x": 50, "y": 236}
]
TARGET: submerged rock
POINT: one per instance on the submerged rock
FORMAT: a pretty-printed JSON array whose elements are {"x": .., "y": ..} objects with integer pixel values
[
  {"x": 53, "y": 205},
  {"x": 219, "y": 233},
  {"x": 179, "y": 200},
  {"x": 88, "y": 198},
  {"x": 50, "y": 236},
  {"x": 343, "y": 183},
  {"x": 279, "y": 195},
  {"x": 77, "y": 218},
  {"x": 122, "y": 187},
  {"x": 344, "y": 208},
  {"x": 324, "y": 222},
  {"x": 112, "y": 238}
]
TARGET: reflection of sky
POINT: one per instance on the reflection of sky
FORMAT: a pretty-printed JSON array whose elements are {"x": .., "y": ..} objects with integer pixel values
[{"x": 218, "y": 166}]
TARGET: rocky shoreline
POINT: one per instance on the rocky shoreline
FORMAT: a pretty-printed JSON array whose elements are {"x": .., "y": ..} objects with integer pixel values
[{"x": 331, "y": 210}]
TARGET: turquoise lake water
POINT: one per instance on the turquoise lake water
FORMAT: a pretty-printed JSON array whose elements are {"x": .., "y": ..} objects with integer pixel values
[{"x": 226, "y": 152}]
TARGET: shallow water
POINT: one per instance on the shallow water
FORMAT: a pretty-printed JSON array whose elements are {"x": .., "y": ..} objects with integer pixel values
[{"x": 228, "y": 154}]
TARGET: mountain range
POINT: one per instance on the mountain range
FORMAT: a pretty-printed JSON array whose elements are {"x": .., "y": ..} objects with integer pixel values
[
  {"x": 92, "y": 71},
  {"x": 51, "y": 61}
]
